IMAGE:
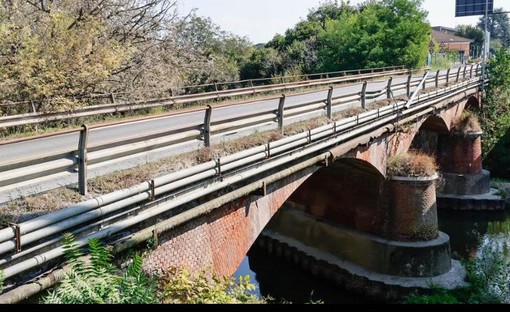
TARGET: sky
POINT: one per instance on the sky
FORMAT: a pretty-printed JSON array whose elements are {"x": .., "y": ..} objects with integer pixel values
[{"x": 260, "y": 20}]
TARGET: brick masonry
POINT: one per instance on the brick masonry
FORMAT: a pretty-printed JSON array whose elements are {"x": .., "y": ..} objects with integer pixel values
[
  {"x": 221, "y": 239},
  {"x": 350, "y": 192},
  {"x": 462, "y": 154}
]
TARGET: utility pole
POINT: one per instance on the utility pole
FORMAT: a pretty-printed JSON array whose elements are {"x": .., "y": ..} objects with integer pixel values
[{"x": 486, "y": 44}]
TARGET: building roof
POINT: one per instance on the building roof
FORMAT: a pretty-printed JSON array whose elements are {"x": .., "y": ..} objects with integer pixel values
[
  {"x": 445, "y": 29},
  {"x": 440, "y": 36}
]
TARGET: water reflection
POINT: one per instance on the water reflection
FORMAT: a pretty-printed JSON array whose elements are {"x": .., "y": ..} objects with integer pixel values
[
  {"x": 285, "y": 282},
  {"x": 468, "y": 231}
]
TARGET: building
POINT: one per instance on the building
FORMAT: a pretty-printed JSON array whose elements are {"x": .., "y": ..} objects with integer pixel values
[{"x": 447, "y": 40}]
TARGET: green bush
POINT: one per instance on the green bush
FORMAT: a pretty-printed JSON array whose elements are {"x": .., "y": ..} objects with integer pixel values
[
  {"x": 180, "y": 286},
  {"x": 438, "y": 296},
  {"x": 1, "y": 281},
  {"x": 97, "y": 281},
  {"x": 488, "y": 275}
]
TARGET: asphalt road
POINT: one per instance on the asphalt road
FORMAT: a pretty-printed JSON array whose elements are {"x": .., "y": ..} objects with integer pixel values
[{"x": 67, "y": 142}]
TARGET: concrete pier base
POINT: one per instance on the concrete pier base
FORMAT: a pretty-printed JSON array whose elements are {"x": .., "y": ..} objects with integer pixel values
[
  {"x": 466, "y": 186},
  {"x": 468, "y": 192},
  {"x": 364, "y": 263}
]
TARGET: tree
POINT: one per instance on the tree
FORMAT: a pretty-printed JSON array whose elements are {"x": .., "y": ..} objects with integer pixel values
[
  {"x": 55, "y": 57},
  {"x": 64, "y": 49},
  {"x": 303, "y": 37},
  {"x": 498, "y": 25},
  {"x": 329, "y": 10},
  {"x": 383, "y": 33},
  {"x": 495, "y": 115},
  {"x": 262, "y": 63},
  {"x": 471, "y": 32}
]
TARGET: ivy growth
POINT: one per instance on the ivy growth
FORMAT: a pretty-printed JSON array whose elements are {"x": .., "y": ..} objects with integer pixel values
[{"x": 495, "y": 114}]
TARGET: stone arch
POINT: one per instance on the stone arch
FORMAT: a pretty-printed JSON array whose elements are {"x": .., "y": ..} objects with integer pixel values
[
  {"x": 430, "y": 135},
  {"x": 473, "y": 103},
  {"x": 349, "y": 192}
]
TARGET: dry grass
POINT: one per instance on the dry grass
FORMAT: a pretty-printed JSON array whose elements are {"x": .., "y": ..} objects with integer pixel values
[
  {"x": 467, "y": 122},
  {"x": 26, "y": 208},
  {"x": 23, "y": 209},
  {"x": 411, "y": 164},
  {"x": 30, "y": 207},
  {"x": 305, "y": 125}
]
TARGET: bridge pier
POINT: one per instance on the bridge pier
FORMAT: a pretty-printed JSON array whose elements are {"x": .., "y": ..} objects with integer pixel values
[
  {"x": 466, "y": 185},
  {"x": 413, "y": 211},
  {"x": 372, "y": 235}
]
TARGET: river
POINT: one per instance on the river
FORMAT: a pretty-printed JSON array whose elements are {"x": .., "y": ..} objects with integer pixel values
[{"x": 285, "y": 282}]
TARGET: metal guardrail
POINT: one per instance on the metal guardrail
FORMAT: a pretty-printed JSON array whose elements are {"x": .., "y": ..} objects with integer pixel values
[
  {"x": 35, "y": 117},
  {"x": 33, "y": 243},
  {"x": 77, "y": 161}
]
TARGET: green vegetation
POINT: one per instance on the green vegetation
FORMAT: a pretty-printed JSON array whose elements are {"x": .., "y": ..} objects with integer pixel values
[
  {"x": 388, "y": 32},
  {"x": 98, "y": 281},
  {"x": 488, "y": 275},
  {"x": 495, "y": 115},
  {"x": 1, "y": 280},
  {"x": 179, "y": 286},
  {"x": 56, "y": 53},
  {"x": 442, "y": 61},
  {"x": 498, "y": 26}
]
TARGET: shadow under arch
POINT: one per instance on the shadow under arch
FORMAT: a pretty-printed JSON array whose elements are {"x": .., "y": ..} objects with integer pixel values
[
  {"x": 473, "y": 104},
  {"x": 430, "y": 137},
  {"x": 349, "y": 192}
]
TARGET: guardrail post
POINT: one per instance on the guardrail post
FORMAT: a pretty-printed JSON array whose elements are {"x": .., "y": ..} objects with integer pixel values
[
  {"x": 216, "y": 86},
  {"x": 364, "y": 95},
  {"x": 448, "y": 76},
  {"x": 458, "y": 74},
  {"x": 388, "y": 88},
  {"x": 408, "y": 87},
  {"x": 471, "y": 71},
  {"x": 112, "y": 98},
  {"x": 425, "y": 81},
  {"x": 251, "y": 83},
  {"x": 464, "y": 73},
  {"x": 33, "y": 106},
  {"x": 280, "y": 113},
  {"x": 477, "y": 68},
  {"x": 329, "y": 111},
  {"x": 437, "y": 79},
  {"x": 207, "y": 126},
  {"x": 82, "y": 160}
]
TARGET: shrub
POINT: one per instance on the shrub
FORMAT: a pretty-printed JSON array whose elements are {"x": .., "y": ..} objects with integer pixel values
[
  {"x": 411, "y": 164},
  {"x": 180, "y": 286},
  {"x": 1, "y": 281},
  {"x": 488, "y": 275},
  {"x": 97, "y": 281}
]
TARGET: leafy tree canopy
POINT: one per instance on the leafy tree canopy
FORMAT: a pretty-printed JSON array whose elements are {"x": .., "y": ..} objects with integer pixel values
[
  {"x": 498, "y": 25},
  {"x": 382, "y": 33}
]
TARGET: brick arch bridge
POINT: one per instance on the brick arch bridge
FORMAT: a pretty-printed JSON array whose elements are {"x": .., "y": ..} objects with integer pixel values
[{"x": 221, "y": 239}]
